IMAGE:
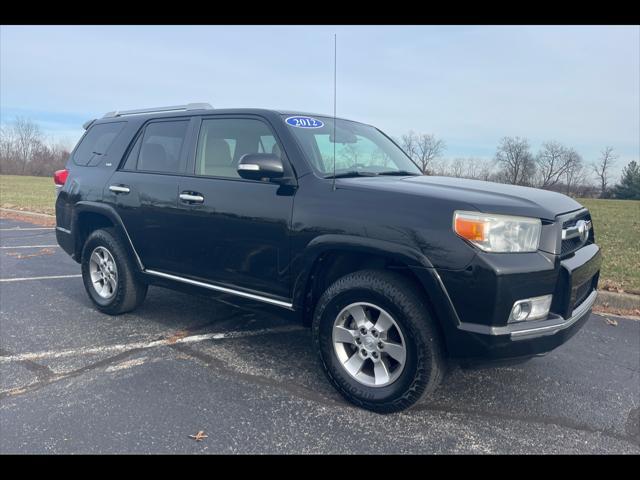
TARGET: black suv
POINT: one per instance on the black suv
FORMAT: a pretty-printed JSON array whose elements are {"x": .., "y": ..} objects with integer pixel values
[{"x": 394, "y": 271}]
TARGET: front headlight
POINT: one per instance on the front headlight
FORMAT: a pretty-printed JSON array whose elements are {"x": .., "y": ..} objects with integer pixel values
[{"x": 498, "y": 233}]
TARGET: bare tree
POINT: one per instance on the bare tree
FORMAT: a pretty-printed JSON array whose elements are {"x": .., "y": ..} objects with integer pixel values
[
  {"x": 552, "y": 162},
  {"x": 471, "y": 167},
  {"x": 602, "y": 168},
  {"x": 428, "y": 149},
  {"x": 555, "y": 167},
  {"x": 439, "y": 166},
  {"x": 7, "y": 147},
  {"x": 476, "y": 168},
  {"x": 575, "y": 173},
  {"x": 486, "y": 170},
  {"x": 518, "y": 165},
  {"x": 47, "y": 159},
  {"x": 457, "y": 168},
  {"x": 28, "y": 139},
  {"x": 409, "y": 143}
]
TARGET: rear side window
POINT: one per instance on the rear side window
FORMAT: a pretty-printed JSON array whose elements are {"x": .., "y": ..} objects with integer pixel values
[
  {"x": 96, "y": 142},
  {"x": 161, "y": 147}
]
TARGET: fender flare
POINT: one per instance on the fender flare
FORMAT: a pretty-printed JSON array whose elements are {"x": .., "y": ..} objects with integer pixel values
[
  {"x": 414, "y": 259},
  {"x": 111, "y": 213}
]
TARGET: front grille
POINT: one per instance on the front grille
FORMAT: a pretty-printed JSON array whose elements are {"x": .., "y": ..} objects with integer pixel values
[{"x": 570, "y": 245}]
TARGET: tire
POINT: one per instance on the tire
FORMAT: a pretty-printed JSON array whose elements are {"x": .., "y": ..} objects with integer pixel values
[
  {"x": 392, "y": 295},
  {"x": 125, "y": 292}
]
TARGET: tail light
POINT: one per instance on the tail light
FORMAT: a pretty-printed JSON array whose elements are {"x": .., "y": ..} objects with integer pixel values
[{"x": 60, "y": 176}]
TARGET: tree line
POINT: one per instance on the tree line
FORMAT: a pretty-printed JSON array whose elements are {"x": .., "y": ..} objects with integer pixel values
[
  {"x": 554, "y": 166},
  {"x": 25, "y": 150}
]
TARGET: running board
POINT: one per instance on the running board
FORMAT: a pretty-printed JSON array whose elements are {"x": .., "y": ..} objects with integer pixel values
[{"x": 218, "y": 288}]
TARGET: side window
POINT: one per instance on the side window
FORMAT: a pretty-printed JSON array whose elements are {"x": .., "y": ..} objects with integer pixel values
[
  {"x": 161, "y": 147},
  {"x": 96, "y": 142},
  {"x": 223, "y": 141}
]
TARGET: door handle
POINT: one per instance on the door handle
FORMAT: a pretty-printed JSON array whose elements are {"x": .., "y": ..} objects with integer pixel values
[
  {"x": 119, "y": 188},
  {"x": 192, "y": 198}
]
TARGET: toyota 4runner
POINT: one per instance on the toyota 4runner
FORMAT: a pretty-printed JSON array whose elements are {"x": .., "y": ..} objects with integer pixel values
[{"x": 395, "y": 272}]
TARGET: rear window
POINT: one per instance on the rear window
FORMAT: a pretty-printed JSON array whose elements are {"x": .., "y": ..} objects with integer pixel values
[{"x": 96, "y": 142}]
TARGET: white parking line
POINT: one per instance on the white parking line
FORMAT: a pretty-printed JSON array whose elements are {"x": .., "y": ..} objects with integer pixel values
[
  {"x": 31, "y": 246},
  {"x": 20, "y": 229},
  {"x": 50, "y": 277},
  {"x": 171, "y": 340}
]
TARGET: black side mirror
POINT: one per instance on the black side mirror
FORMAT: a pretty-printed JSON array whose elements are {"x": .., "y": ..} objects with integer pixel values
[{"x": 256, "y": 166}]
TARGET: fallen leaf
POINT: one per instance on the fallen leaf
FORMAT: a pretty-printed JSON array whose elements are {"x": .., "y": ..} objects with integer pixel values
[
  {"x": 177, "y": 336},
  {"x": 198, "y": 437},
  {"x": 612, "y": 321}
]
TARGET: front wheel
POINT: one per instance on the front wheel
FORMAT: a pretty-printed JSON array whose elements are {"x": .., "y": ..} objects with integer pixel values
[
  {"x": 377, "y": 342},
  {"x": 108, "y": 274}
]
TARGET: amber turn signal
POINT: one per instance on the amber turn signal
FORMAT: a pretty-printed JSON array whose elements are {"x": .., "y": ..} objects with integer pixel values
[{"x": 473, "y": 230}]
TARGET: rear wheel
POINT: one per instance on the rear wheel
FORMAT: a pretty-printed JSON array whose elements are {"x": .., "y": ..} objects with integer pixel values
[
  {"x": 378, "y": 344},
  {"x": 108, "y": 274}
]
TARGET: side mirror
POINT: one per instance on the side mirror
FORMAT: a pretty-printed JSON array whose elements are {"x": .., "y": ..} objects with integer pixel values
[{"x": 256, "y": 166}]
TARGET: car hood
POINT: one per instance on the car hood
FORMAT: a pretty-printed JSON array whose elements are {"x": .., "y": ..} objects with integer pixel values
[{"x": 487, "y": 197}]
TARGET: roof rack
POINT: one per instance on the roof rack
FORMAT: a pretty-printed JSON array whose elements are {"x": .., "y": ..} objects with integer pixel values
[{"x": 188, "y": 106}]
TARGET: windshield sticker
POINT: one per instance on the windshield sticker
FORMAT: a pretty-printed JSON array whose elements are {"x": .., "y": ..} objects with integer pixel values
[{"x": 304, "y": 122}]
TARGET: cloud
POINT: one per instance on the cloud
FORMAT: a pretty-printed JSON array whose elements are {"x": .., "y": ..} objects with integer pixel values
[{"x": 469, "y": 85}]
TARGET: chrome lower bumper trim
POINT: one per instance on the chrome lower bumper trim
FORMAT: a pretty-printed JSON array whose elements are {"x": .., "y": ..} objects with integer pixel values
[
  {"x": 538, "y": 328},
  {"x": 577, "y": 314}
]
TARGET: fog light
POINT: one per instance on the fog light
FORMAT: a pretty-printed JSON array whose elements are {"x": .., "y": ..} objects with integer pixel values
[{"x": 531, "y": 308}]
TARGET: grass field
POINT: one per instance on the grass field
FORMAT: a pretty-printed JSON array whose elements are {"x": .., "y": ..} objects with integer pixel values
[
  {"x": 617, "y": 229},
  {"x": 616, "y": 223},
  {"x": 35, "y": 194}
]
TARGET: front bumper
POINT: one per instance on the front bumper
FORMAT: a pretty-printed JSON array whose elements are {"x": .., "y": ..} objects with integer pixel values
[
  {"x": 527, "y": 339},
  {"x": 519, "y": 342},
  {"x": 476, "y": 337},
  {"x": 538, "y": 328}
]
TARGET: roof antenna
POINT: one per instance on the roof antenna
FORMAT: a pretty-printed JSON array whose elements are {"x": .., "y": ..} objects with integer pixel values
[{"x": 335, "y": 63}]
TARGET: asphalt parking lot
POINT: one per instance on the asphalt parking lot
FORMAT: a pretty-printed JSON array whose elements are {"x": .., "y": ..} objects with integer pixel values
[{"x": 73, "y": 380}]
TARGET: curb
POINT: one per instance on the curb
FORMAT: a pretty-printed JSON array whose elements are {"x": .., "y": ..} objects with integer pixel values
[
  {"x": 622, "y": 301},
  {"x": 26, "y": 212}
]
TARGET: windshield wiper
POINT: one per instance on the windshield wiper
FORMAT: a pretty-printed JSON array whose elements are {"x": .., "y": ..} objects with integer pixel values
[
  {"x": 352, "y": 173},
  {"x": 403, "y": 173},
  {"x": 362, "y": 173}
]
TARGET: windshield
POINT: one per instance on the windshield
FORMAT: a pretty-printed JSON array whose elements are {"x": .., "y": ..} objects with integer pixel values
[{"x": 359, "y": 149}]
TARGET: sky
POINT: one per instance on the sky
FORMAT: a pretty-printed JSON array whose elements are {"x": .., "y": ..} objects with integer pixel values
[{"x": 470, "y": 85}]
